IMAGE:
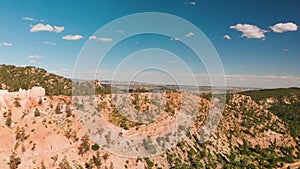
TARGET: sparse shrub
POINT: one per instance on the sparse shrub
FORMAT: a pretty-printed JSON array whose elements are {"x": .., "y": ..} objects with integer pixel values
[
  {"x": 105, "y": 156},
  {"x": 14, "y": 161},
  {"x": 150, "y": 164},
  {"x": 95, "y": 147},
  {"x": 37, "y": 112},
  {"x": 40, "y": 101},
  {"x": 97, "y": 160},
  {"x": 85, "y": 145},
  {"x": 206, "y": 96},
  {"x": 20, "y": 134},
  {"x": 7, "y": 114},
  {"x": 58, "y": 109},
  {"x": 54, "y": 158},
  {"x": 17, "y": 102},
  {"x": 16, "y": 146},
  {"x": 64, "y": 164},
  {"x": 169, "y": 109},
  {"x": 43, "y": 165},
  {"x": 68, "y": 112},
  {"x": 8, "y": 122}
]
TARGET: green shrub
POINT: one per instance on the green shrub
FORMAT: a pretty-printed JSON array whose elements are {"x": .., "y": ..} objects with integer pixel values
[
  {"x": 8, "y": 122},
  {"x": 95, "y": 147}
]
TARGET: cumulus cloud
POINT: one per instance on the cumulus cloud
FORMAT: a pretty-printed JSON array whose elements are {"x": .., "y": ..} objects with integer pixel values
[
  {"x": 189, "y": 34},
  {"x": 58, "y": 29},
  {"x": 92, "y": 37},
  {"x": 105, "y": 39},
  {"x": 191, "y": 2},
  {"x": 227, "y": 37},
  {"x": 49, "y": 43},
  {"x": 73, "y": 37},
  {"x": 46, "y": 27},
  {"x": 285, "y": 50},
  {"x": 174, "y": 38},
  {"x": 41, "y": 27},
  {"x": 34, "y": 57},
  {"x": 250, "y": 31},
  {"x": 28, "y": 19},
  {"x": 7, "y": 44},
  {"x": 284, "y": 27},
  {"x": 34, "y": 61}
]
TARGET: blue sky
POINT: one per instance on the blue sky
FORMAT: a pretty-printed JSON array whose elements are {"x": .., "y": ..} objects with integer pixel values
[{"x": 258, "y": 41}]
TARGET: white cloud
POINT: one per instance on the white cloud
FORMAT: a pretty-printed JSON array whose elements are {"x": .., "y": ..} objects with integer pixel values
[
  {"x": 34, "y": 61},
  {"x": 28, "y": 19},
  {"x": 7, "y": 44},
  {"x": 250, "y": 31},
  {"x": 73, "y": 37},
  {"x": 174, "y": 38},
  {"x": 46, "y": 27},
  {"x": 284, "y": 27},
  {"x": 227, "y": 37},
  {"x": 49, "y": 43},
  {"x": 41, "y": 27},
  {"x": 92, "y": 37},
  {"x": 285, "y": 50},
  {"x": 105, "y": 39},
  {"x": 189, "y": 34},
  {"x": 120, "y": 31},
  {"x": 58, "y": 29},
  {"x": 34, "y": 57},
  {"x": 191, "y": 2}
]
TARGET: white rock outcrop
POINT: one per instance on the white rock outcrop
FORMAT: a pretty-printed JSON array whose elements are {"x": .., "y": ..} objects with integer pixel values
[{"x": 25, "y": 96}]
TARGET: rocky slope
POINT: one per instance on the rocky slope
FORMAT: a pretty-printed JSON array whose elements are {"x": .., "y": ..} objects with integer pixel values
[
  {"x": 285, "y": 103},
  {"x": 46, "y": 132},
  {"x": 41, "y": 129}
]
